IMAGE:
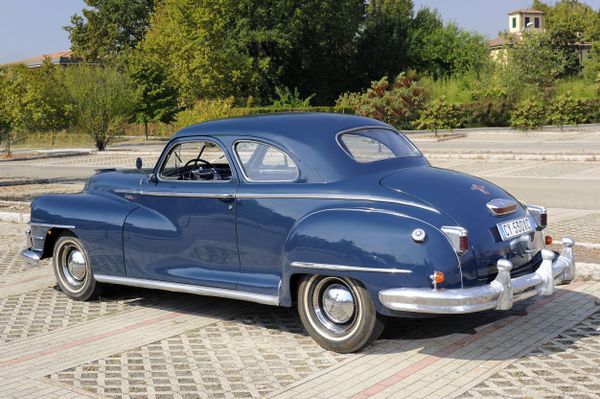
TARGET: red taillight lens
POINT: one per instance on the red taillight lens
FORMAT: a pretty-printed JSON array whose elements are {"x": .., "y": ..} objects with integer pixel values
[
  {"x": 544, "y": 219},
  {"x": 464, "y": 243}
]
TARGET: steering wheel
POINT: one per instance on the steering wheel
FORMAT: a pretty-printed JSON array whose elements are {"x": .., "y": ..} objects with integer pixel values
[
  {"x": 195, "y": 162},
  {"x": 211, "y": 169}
]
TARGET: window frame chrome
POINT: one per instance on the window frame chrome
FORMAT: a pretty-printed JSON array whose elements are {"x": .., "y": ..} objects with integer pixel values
[
  {"x": 419, "y": 154},
  {"x": 166, "y": 152},
  {"x": 255, "y": 141}
]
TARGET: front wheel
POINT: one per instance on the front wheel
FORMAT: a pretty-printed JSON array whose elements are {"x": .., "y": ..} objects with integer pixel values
[
  {"x": 73, "y": 270},
  {"x": 338, "y": 313}
]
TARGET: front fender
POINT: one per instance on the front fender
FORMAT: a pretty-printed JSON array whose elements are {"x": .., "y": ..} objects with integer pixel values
[
  {"x": 96, "y": 219},
  {"x": 378, "y": 240}
]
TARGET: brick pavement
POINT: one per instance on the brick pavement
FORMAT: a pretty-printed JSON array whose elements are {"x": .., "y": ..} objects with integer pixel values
[{"x": 140, "y": 343}]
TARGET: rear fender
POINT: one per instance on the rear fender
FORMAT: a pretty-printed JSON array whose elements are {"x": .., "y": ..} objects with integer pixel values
[{"x": 370, "y": 245}]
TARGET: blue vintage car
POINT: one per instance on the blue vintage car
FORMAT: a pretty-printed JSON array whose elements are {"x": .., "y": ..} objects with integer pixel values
[{"x": 339, "y": 214}]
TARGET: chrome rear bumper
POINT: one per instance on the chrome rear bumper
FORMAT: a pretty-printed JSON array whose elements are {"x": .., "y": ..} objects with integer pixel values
[{"x": 500, "y": 294}]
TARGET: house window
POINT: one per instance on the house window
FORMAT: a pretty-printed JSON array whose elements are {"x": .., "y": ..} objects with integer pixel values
[
  {"x": 526, "y": 22},
  {"x": 537, "y": 23},
  {"x": 514, "y": 22}
]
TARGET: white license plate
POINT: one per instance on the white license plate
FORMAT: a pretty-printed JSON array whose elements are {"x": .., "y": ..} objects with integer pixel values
[{"x": 514, "y": 228}]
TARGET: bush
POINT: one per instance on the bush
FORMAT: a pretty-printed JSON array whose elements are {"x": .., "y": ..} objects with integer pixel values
[
  {"x": 439, "y": 114},
  {"x": 396, "y": 103},
  {"x": 204, "y": 110},
  {"x": 566, "y": 110},
  {"x": 528, "y": 114}
]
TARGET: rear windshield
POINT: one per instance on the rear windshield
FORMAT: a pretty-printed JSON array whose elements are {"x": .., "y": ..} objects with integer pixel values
[{"x": 370, "y": 145}]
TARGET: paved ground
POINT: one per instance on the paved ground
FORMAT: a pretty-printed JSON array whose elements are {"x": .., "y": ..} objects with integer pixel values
[{"x": 135, "y": 343}]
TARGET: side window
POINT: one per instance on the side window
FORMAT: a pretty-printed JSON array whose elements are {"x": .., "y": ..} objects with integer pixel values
[
  {"x": 196, "y": 160},
  {"x": 264, "y": 163}
]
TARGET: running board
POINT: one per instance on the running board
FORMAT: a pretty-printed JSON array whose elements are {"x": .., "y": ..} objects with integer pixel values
[{"x": 189, "y": 289}]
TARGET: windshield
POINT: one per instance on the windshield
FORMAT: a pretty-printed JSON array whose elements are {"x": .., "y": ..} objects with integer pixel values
[{"x": 370, "y": 145}]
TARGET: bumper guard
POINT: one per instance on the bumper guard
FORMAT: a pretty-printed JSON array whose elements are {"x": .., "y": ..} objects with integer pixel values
[{"x": 500, "y": 294}]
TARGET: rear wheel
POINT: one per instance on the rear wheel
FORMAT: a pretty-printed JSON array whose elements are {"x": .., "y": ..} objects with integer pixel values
[
  {"x": 338, "y": 313},
  {"x": 72, "y": 268}
]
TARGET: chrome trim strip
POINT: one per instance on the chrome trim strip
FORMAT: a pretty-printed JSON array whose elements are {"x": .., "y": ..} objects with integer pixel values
[
  {"x": 187, "y": 195},
  {"x": 344, "y": 268},
  {"x": 241, "y": 165},
  {"x": 339, "y": 197},
  {"x": 50, "y": 226},
  {"x": 189, "y": 289}
]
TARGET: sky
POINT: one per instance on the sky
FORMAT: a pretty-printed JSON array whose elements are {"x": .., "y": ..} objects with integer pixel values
[{"x": 29, "y": 28}]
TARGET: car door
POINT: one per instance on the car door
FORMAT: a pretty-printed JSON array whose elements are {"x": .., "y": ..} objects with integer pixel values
[{"x": 185, "y": 228}]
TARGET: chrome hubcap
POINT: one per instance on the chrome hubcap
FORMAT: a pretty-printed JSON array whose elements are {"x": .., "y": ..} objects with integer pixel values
[
  {"x": 338, "y": 303},
  {"x": 334, "y": 305},
  {"x": 76, "y": 265},
  {"x": 73, "y": 265}
]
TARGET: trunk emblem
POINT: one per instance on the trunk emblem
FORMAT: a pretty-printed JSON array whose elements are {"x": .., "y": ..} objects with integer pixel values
[
  {"x": 480, "y": 187},
  {"x": 501, "y": 206}
]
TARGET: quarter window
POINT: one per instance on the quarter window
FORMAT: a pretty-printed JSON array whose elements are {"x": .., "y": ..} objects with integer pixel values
[
  {"x": 264, "y": 163},
  {"x": 196, "y": 160},
  {"x": 370, "y": 145}
]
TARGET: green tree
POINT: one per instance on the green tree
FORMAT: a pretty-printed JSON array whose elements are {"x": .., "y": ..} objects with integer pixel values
[
  {"x": 531, "y": 62},
  {"x": 444, "y": 50},
  {"x": 591, "y": 66},
  {"x": 528, "y": 114},
  {"x": 383, "y": 39},
  {"x": 396, "y": 103},
  {"x": 438, "y": 114},
  {"x": 109, "y": 28},
  {"x": 14, "y": 111},
  {"x": 103, "y": 101},
  {"x": 47, "y": 100},
  {"x": 291, "y": 99},
  {"x": 156, "y": 97},
  {"x": 571, "y": 15}
]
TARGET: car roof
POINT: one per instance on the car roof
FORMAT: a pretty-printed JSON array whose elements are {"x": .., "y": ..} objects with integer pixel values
[
  {"x": 310, "y": 137},
  {"x": 292, "y": 124}
]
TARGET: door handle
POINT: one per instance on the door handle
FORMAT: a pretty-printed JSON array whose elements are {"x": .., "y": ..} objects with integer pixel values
[{"x": 227, "y": 197}]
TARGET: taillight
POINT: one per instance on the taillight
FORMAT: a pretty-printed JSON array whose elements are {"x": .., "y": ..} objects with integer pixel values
[
  {"x": 540, "y": 215},
  {"x": 464, "y": 243},
  {"x": 458, "y": 237},
  {"x": 544, "y": 219}
]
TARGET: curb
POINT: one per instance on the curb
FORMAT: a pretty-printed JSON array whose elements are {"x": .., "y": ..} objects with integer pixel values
[
  {"x": 587, "y": 271},
  {"x": 14, "y": 217},
  {"x": 49, "y": 155},
  {"x": 521, "y": 156}
]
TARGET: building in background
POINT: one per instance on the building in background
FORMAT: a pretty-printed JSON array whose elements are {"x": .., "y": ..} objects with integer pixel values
[
  {"x": 62, "y": 58},
  {"x": 526, "y": 20}
]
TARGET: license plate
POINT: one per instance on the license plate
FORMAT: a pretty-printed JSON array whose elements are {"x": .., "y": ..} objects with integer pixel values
[{"x": 514, "y": 228}]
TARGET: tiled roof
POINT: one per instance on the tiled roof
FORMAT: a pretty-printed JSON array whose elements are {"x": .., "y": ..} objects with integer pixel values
[
  {"x": 59, "y": 57},
  {"x": 526, "y": 11}
]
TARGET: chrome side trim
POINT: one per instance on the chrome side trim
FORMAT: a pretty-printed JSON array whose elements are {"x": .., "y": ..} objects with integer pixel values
[
  {"x": 339, "y": 197},
  {"x": 187, "y": 195},
  {"x": 189, "y": 289},
  {"x": 50, "y": 226},
  {"x": 344, "y": 268}
]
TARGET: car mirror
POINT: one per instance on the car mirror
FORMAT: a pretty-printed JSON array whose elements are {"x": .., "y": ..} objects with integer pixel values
[
  {"x": 153, "y": 178},
  {"x": 139, "y": 163}
]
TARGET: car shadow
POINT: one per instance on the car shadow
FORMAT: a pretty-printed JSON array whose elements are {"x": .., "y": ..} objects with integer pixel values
[{"x": 426, "y": 335}]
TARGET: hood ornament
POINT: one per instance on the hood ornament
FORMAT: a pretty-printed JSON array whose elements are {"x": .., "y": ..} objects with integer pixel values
[{"x": 480, "y": 187}]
